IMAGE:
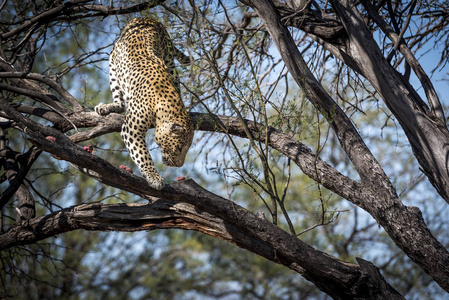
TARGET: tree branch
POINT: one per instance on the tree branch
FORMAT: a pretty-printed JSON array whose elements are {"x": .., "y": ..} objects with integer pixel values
[
  {"x": 16, "y": 179},
  {"x": 403, "y": 224},
  {"x": 411, "y": 60},
  {"x": 210, "y": 214},
  {"x": 425, "y": 128},
  {"x": 67, "y": 10},
  {"x": 427, "y": 134},
  {"x": 188, "y": 206},
  {"x": 313, "y": 166},
  {"x": 48, "y": 81},
  {"x": 408, "y": 223},
  {"x": 343, "y": 280}
]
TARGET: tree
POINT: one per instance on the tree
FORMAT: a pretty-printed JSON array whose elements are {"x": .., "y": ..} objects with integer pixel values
[{"x": 237, "y": 88}]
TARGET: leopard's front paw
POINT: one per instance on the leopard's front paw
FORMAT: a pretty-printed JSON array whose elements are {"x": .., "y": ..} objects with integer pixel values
[
  {"x": 154, "y": 180},
  {"x": 102, "y": 109}
]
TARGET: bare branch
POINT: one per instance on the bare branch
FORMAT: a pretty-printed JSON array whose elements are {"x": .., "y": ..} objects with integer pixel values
[
  {"x": 77, "y": 9},
  {"x": 383, "y": 204},
  {"x": 205, "y": 212},
  {"x": 411, "y": 60},
  {"x": 50, "y": 82},
  {"x": 17, "y": 177}
]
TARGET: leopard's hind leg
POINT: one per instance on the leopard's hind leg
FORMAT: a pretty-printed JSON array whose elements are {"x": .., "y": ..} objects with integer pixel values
[{"x": 118, "y": 104}]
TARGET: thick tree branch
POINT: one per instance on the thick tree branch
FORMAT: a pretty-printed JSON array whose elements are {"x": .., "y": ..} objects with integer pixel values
[
  {"x": 411, "y": 60},
  {"x": 403, "y": 224},
  {"x": 425, "y": 128},
  {"x": 160, "y": 214},
  {"x": 223, "y": 219},
  {"x": 426, "y": 132},
  {"x": 313, "y": 166}
]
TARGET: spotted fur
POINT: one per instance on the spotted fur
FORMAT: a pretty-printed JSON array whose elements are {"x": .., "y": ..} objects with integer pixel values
[{"x": 144, "y": 86}]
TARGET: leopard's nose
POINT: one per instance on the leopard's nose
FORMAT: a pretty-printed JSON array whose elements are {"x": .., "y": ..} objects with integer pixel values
[{"x": 179, "y": 162}]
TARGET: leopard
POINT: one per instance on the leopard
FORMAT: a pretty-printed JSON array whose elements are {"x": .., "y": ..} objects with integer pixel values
[{"x": 145, "y": 86}]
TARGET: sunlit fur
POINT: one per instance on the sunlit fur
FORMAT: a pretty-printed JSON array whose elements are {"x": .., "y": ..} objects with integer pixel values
[{"x": 144, "y": 84}]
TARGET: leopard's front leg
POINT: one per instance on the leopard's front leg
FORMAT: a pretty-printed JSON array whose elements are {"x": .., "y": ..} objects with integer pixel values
[{"x": 133, "y": 134}]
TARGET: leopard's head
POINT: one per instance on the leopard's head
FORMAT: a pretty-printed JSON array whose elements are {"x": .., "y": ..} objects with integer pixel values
[{"x": 174, "y": 140}]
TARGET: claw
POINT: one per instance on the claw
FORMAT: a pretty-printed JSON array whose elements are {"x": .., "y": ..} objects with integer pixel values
[
  {"x": 100, "y": 109},
  {"x": 156, "y": 182}
]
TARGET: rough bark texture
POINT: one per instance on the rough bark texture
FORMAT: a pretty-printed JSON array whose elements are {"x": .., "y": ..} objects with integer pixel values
[
  {"x": 225, "y": 220},
  {"x": 403, "y": 224},
  {"x": 425, "y": 129},
  {"x": 355, "y": 46}
]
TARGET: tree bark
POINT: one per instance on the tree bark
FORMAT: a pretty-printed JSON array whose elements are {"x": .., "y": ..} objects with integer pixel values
[
  {"x": 355, "y": 46},
  {"x": 17, "y": 166},
  {"x": 225, "y": 220},
  {"x": 403, "y": 224},
  {"x": 425, "y": 129}
]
